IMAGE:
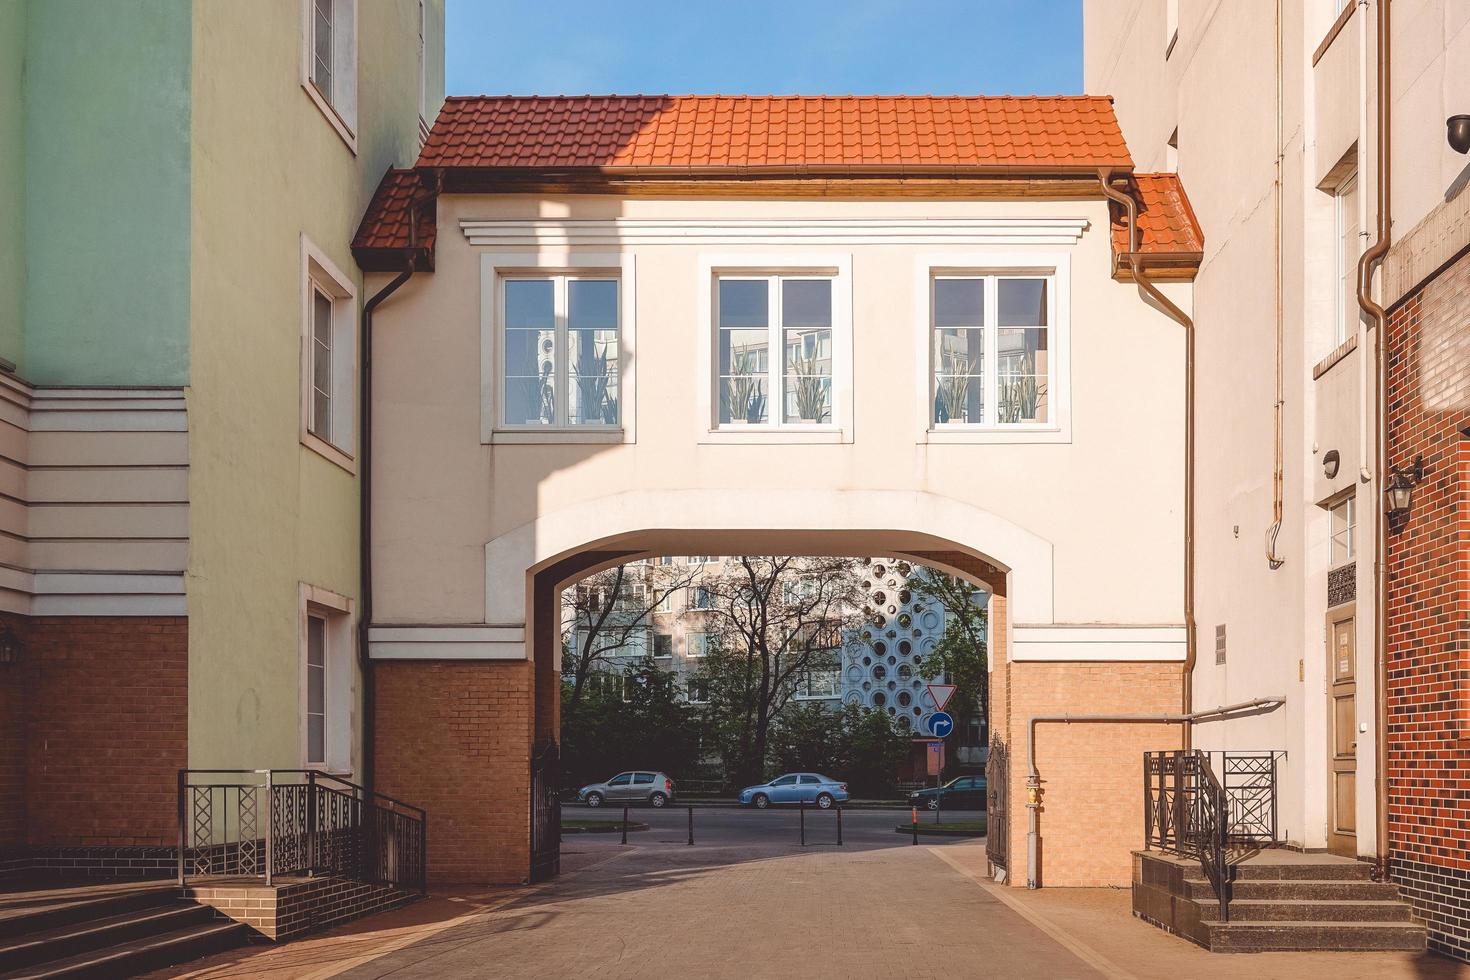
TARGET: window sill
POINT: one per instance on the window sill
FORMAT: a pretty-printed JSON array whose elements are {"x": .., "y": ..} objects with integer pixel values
[
  {"x": 338, "y": 123},
  {"x": 967, "y": 436},
  {"x": 329, "y": 452},
  {"x": 1333, "y": 31},
  {"x": 756, "y": 435},
  {"x": 558, "y": 437},
  {"x": 1338, "y": 355}
]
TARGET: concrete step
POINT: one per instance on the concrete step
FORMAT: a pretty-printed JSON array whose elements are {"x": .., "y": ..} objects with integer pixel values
[
  {"x": 1301, "y": 889},
  {"x": 82, "y": 937},
  {"x": 23, "y": 913},
  {"x": 1333, "y": 871},
  {"x": 141, "y": 955},
  {"x": 1254, "y": 937},
  {"x": 1268, "y": 910}
]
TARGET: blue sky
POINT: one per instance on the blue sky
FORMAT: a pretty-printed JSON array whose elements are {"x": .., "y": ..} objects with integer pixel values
[{"x": 983, "y": 47}]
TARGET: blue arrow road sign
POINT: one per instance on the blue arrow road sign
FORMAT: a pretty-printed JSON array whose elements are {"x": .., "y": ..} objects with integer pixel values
[{"x": 940, "y": 724}]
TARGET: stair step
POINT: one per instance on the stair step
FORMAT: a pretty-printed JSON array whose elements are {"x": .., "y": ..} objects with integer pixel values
[
  {"x": 1308, "y": 910},
  {"x": 80, "y": 937},
  {"x": 141, "y": 955},
  {"x": 1299, "y": 889},
  {"x": 1334, "y": 871},
  {"x": 45, "y": 914},
  {"x": 1244, "y": 937}
]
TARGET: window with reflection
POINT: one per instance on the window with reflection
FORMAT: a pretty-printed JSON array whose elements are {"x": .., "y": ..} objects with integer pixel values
[
  {"x": 991, "y": 350},
  {"x": 561, "y": 352},
  {"x": 774, "y": 350}
]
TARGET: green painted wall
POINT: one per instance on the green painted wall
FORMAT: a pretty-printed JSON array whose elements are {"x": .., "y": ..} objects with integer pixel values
[
  {"x": 12, "y": 176},
  {"x": 106, "y": 136}
]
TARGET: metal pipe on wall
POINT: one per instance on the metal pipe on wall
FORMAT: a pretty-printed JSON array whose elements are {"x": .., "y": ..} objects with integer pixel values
[
  {"x": 1278, "y": 408},
  {"x": 1033, "y": 775},
  {"x": 1367, "y": 264}
]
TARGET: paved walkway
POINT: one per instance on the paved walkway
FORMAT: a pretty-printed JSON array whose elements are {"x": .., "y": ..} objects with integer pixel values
[{"x": 900, "y": 913}]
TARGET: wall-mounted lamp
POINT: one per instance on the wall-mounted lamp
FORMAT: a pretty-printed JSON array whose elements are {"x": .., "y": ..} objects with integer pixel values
[
  {"x": 1457, "y": 131},
  {"x": 1331, "y": 462},
  {"x": 10, "y": 648},
  {"x": 1399, "y": 497}
]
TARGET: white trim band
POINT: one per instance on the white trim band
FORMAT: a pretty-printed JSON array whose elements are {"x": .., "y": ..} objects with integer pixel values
[
  {"x": 626, "y": 232},
  {"x": 1096, "y": 644},
  {"x": 469, "y": 642}
]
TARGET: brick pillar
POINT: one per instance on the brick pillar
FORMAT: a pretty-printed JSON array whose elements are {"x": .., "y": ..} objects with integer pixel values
[{"x": 454, "y": 737}]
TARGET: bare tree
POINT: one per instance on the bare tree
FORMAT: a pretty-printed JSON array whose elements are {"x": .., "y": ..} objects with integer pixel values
[
  {"x": 772, "y": 619},
  {"x": 607, "y": 610}
]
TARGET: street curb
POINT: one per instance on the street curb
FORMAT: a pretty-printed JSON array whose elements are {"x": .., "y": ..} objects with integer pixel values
[
  {"x": 931, "y": 832},
  {"x": 615, "y": 828}
]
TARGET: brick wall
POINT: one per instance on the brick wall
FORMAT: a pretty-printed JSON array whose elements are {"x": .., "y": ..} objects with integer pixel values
[
  {"x": 454, "y": 737},
  {"x": 12, "y": 751},
  {"x": 102, "y": 731},
  {"x": 1429, "y": 607},
  {"x": 1091, "y": 818}
]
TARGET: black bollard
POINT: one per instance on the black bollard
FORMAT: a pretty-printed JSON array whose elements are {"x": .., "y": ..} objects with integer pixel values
[
  {"x": 802, "y": 807},
  {"x": 691, "y": 826},
  {"x": 625, "y": 825},
  {"x": 839, "y": 825}
]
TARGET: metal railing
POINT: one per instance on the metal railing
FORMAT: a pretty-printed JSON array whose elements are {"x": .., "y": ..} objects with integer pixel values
[
  {"x": 1188, "y": 810},
  {"x": 264, "y": 823},
  {"x": 997, "y": 788}
]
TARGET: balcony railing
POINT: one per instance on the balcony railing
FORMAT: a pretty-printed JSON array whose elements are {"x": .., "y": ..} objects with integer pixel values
[{"x": 267, "y": 823}]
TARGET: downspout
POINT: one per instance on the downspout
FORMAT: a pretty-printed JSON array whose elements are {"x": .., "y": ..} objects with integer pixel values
[
  {"x": 1366, "y": 266},
  {"x": 1137, "y": 262},
  {"x": 1033, "y": 776},
  {"x": 1278, "y": 473},
  {"x": 365, "y": 484}
]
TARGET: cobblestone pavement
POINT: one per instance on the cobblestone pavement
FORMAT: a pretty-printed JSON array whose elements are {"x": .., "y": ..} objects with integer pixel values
[{"x": 666, "y": 910}]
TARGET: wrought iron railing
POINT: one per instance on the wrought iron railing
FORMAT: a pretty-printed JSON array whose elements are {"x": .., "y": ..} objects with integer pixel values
[
  {"x": 997, "y": 788},
  {"x": 1188, "y": 810},
  {"x": 270, "y": 822}
]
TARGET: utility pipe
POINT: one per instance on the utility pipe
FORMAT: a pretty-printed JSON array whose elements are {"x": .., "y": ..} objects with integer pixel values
[
  {"x": 1033, "y": 777},
  {"x": 1367, "y": 264},
  {"x": 1278, "y": 407},
  {"x": 1137, "y": 263}
]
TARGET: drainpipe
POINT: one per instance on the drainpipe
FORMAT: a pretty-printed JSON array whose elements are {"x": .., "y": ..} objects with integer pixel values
[
  {"x": 1278, "y": 473},
  {"x": 365, "y": 481},
  {"x": 1366, "y": 266},
  {"x": 1137, "y": 262},
  {"x": 1033, "y": 777}
]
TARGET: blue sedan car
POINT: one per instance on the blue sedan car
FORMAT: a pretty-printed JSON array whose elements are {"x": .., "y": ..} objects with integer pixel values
[{"x": 823, "y": 792}]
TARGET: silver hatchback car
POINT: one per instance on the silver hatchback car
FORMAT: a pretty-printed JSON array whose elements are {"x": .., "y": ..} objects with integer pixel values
[{"x": 653, "y": 788}]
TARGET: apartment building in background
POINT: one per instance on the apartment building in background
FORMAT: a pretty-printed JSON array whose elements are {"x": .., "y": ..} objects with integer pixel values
[
  {"x": 1272, "y": 115},
  {"x": 179, "y": 307}
]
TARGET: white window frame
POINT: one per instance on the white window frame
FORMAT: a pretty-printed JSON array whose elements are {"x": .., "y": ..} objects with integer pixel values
[
  {"x": 690, "y": 600},
  {"x": 691, "y": 686},
  {"x": 791, "y": 265},
  {"x": 320, "y": 274},
  {"x": 1057, "y": 268},
  {"x": 1345, "y": 315},
  {"x": 339, "y": 680},
  {"x": 654, "y": 645},
  {"x": 495, "y": 268},
  {"x": 689, "y": 644},
  {"x": 1348, "y": 507},
  {"x": 340, "y": 105}
]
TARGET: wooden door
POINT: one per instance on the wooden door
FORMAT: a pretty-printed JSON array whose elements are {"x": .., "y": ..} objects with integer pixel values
[{"x": 1342, "y": 738}]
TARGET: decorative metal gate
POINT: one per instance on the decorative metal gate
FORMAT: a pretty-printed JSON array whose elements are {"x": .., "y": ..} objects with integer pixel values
[
  {"x": 545, "y": 811},
  {"x": 997, "y": 772}
]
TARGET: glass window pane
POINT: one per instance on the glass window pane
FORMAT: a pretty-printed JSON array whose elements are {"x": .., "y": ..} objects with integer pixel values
[
  {"x": 1022, "y": 302},
  {"x": 806, "y": 303},
  {"x": 743, "y": 303},
  {"x": 1022, "y": 375},
  {"x": 321, "y": 74},
  {"x": 744, "y": 359},
  {"x": 593, "y": 366},
  {"x": 592, "y": 303},
  {"x": 808, "y": 375},
  {"x": 316, "y": 739},
  {"x": 959, "y": 367},
  {"x": 529, "y": 303},
  {"x": 321, "y": 414},
  {"x": 530, "y": 352},
  {"x": 959, "y": 302}
]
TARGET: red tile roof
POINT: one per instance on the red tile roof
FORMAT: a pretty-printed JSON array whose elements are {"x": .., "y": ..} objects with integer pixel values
[
  {"x": 810, "y": 133},
  {"x": 1166, "y": 222},
  {"x": 384, "y": 233}
]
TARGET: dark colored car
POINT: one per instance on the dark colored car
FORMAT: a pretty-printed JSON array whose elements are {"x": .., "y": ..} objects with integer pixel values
[{"x": 962, "y": 793}]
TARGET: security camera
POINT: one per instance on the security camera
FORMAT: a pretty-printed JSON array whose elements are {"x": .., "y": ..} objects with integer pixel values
[{"x": 1458, "y": 133}]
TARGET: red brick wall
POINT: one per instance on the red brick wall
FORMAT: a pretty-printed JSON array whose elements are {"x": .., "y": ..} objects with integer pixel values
[
  {"x": 12, "y": 750},
  {"x": 1429, "y": 605},
  {"x": 454, "y": 737},
  {"x": 103, "y": 730}
]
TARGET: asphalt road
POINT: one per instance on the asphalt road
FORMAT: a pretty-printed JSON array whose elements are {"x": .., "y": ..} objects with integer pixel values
[{"x": 777, "y": 828}]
